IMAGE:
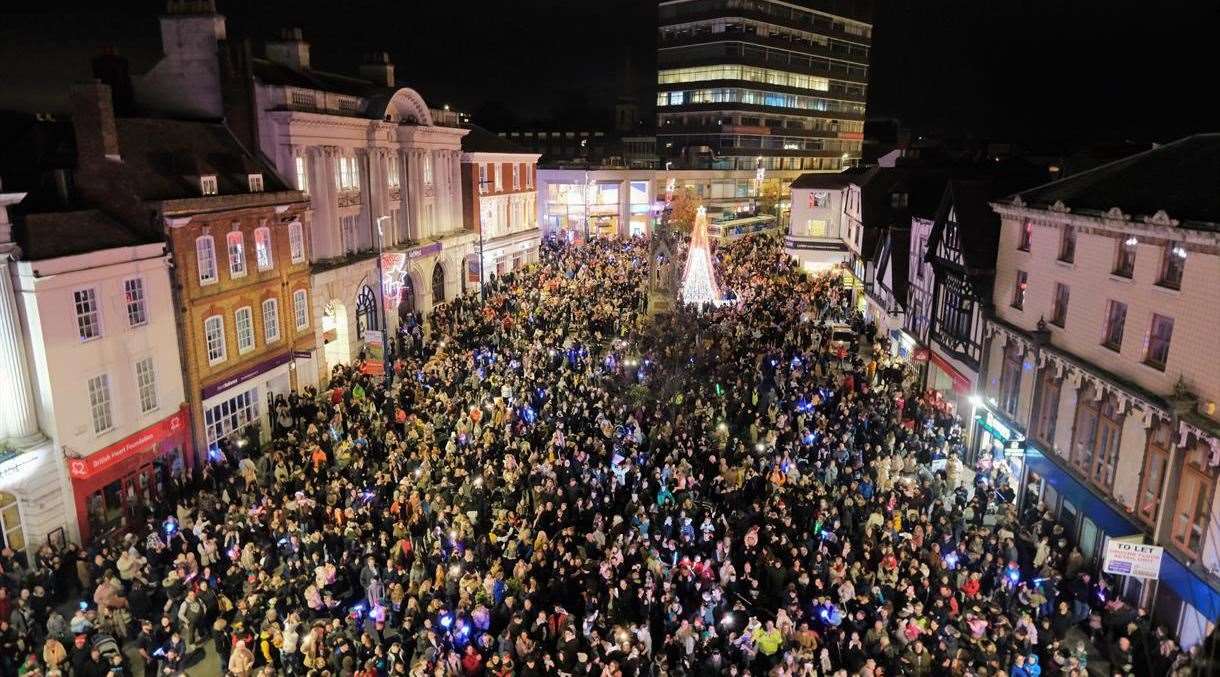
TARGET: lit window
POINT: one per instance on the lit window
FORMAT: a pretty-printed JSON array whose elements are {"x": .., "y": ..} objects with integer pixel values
[
  {"x": 237, "y": 253},
  {"x": 271, "y": 320},
  {"x": 207, "y": 184},
  {"x": 256, "y": 182},
  {"x": 819, "y": 199},
  {"x": 482, "y": 178},
  {"x": 99, "y": 403},
  {"x": 427, "y": 169},
  {"x": 133, "y": 295},
  {"x": 1173, "y": 263},
  {"x": 392, "y": 171},
  {"x": 1019, "y": 289},
  {"x": 1124, "y": 265},
  {"x": 296, "y": 242},
  {"x": 146, "y": 382},
  {"x": 1116, "y": 317},
  {"x": 245, "y": 329},
  {"x": 1159, "y": 336},
  {"x": 205, "y": 257},
  {"x": 300, "y": 309},
  {"x": 214, "y": 337},
  {"x": 1027, "y": 235},
  {"x": 262, "y": 248},
  {"x": 88, "y": 314},
  {"x": 302, "y": 175}
]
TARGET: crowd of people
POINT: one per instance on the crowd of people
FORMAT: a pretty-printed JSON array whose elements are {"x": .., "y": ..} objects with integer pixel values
[{"x": 554, "y": 483}]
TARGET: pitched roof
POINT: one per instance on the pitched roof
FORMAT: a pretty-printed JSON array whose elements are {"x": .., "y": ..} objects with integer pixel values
[
  {"x": 480, "y": 140},
  {"x": 49, "y": 235},
  {"x": 164, "y": 158},
  {"x": 1178, "y": 178},
  {"x": 271, "y": 73},
  {"x": 841, "y": 179}
]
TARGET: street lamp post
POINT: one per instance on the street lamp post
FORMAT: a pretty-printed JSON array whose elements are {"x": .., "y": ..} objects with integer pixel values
[{"x": 386, "y": 343}]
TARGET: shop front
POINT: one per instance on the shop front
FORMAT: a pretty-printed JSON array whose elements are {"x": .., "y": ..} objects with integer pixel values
[
  {"x": 950, "y": 385},
  {"x": 115, "y": 488},
  {"x": 231, "y": 405}
]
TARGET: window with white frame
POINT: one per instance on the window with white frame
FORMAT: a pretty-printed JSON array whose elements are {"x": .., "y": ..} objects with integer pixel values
[
  {"x": 230, "y": 417},
  {"x": 133, "y": 298},
  {"x": 236, "y": 242},
  {"x": 482, "y": 178},
  {"x": 244, "y": 319},
  {"x": 529, "y": 176},
  {"x": 497, "y": 177},
  {"x": 300, "y": 309},
  {"x": 99, "y": 403},
  {"x": 348, "y": 175},
  {"x": 271, "y": 320},
  {"x": 262, "y": 248},
  {"x": 427, "y": 168},
  {"x": 214, "y": 338},
  {"x": 296, "y": 242},
  {"x": 516, "y": 176},
  {"x": 255, "y": 182},
  {"x": 146, "y": 383},
  {"x": 88, "y": 314},
  {"x": 207, "y": 185},
  {"x": 302, "y": 174},
  {"x": 205, "y": 258}
]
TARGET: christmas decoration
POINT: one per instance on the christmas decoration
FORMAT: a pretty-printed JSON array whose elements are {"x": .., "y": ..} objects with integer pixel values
[{"x": 699, "y": 278}]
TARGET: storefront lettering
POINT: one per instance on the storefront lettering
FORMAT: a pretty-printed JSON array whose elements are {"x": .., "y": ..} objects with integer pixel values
[{"x": 83, "y": 468}]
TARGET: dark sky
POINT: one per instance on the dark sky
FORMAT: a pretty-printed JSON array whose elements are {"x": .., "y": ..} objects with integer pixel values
[{"x": 1013, "y": 69}]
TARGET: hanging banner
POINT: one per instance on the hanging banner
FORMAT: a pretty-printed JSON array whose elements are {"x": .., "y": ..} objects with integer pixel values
[
  {"x": 1133, "y": 559},
  {"x": 374, "y": 353}
]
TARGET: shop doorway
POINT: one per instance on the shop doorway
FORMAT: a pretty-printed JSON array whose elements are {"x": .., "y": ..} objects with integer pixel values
[
  {"x": 126, "y": 503},
  {"x": 334, "y": 335},
  {"x": 11, "y": 534},
  {"x": 438, "y": 284},
  {"x": 406, "y": 298},
  {"x": 366, "y": 312}
]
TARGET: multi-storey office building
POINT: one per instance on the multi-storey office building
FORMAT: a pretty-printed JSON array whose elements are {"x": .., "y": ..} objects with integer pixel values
[
  {"x": 1101, "y": 354},
  {"x": 771, "y": 83}
]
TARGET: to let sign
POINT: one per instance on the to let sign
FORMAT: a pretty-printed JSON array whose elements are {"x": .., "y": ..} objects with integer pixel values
[{"x": 1133, "y": 559}]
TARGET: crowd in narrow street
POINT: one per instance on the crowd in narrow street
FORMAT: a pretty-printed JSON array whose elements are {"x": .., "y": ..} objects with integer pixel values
[{"x": 556, "y": 484}]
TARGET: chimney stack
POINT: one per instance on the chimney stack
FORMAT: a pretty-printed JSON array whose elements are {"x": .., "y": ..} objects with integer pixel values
[
  {"x": 112, "y": 70},
  {"x": 93, "y": 123},
  {"x": 378, "y": 69},
  {"x": 289, "y": 50}
]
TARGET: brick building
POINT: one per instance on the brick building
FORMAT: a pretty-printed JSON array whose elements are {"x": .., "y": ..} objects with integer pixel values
[{"x": 499, "y": 201}]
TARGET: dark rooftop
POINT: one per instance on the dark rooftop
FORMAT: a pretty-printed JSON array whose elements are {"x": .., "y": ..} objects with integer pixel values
[
  {"x": 51, "y": 235},
  {"x": 828, "y": 179},
  {"x": 1179, "y": 178},
  {"x": 480, "y": 140}
]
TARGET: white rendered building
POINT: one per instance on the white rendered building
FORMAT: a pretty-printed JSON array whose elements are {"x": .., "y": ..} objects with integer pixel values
[{"x": 1102, "y": 354}]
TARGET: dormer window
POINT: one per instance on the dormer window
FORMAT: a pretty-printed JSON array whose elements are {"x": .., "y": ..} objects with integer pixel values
[
  {"x": 256, "y": 182},
  {"x": 207, "y": 184}
]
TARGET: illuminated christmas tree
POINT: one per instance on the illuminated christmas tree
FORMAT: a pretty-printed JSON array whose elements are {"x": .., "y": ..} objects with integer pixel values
[{"x": 699, "y": 278}]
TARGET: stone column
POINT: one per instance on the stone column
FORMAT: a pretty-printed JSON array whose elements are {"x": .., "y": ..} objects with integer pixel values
[{"x": 18, "y": 418}]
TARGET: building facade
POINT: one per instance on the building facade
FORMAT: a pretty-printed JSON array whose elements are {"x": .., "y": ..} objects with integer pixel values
[
  {"x": 500, "y": 203},
  {"x": 771, "y": 83},
  {"x": 625, "y": 202},
  {"x": 108, "y": 375},
  {"x": 32, "y": 504},
  {"x": 1100, "y": 355},
  {"x": 816, "y": 235},
  {"x": 383, "y": 174}
]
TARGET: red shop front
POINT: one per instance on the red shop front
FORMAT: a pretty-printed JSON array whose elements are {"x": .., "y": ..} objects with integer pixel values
[{"x": 115, "y": 487}]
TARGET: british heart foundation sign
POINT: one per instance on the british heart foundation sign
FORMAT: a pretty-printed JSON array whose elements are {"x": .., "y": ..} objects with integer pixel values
[{"x": 148, "y": 438}]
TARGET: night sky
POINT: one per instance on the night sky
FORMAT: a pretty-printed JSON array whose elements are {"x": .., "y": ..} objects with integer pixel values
[{"x": 1020, "y": 70}]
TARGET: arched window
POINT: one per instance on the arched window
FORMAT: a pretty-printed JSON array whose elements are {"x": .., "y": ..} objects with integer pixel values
[
  {"x": 406, "y": 298},
  {"x": 438, "y": 284},
  {"x": 366, "y": 311}
]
